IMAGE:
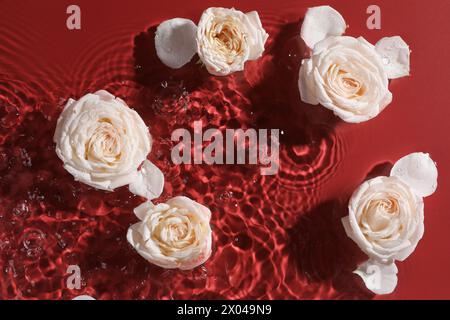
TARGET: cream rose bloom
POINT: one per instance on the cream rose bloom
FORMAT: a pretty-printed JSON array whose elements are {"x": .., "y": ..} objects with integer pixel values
[
  {"x": 102, "y": 143},
  {"x": 347, "y": 76},
  {"x": 386, "y": 217},
  {"x": 175, "y": 234},
  {"x": 227, "y": 38}
]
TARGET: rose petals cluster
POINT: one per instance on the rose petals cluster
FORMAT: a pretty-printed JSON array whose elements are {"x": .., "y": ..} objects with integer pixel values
[
  {"x": 102, "y": 143},
  {"x": 386, "y": 218},
  {"x": 175, "y": 234},
  {"x": 348, "y": 75},
  {"x": 224, "y": 39}
]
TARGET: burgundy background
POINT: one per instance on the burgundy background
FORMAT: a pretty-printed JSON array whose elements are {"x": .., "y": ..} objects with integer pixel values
[{"x": 274, "y": 237}]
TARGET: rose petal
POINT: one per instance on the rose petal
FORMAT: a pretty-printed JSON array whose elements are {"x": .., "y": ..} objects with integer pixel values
[
  {"x": 149, "y": 181},
  {"x": 320, "y": 23},
  {"x": 105, "y": 95},
  {"x": 418, "y": 171},
  {"x": 395, "y": 55},
  {"x": 185, "y": 202},
  {"x": 142, "y": 210},
  {"x": 306, "y": 83},
  {"x": 378, "y": 278},
  {"x": 259, "y": 38},
  {"x": 175, "y": 42},
  {"x": 83, "y": 297}
]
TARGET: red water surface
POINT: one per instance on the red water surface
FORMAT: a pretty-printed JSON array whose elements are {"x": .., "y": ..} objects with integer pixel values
[{"x": 276, "y": 237}]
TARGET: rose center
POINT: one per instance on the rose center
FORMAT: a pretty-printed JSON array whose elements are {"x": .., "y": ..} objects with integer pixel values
[
  {"x": 380, "y": 213},
  {"x": 174, "y": 232},
  {"x": 343, "y": 83},
  {"x": 228, "y": 40},
  {"x": 104, "y": 144}
]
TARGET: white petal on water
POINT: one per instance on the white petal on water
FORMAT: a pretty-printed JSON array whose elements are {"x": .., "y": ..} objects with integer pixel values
[
  {"x": 149, "y": 182},
  {"x": 395, "y": 55},
  {"x": 83, "y": 297},
  {"x": 320, "y": 23},
  {"x": 175, "y": 42},
  {"x": 378, "y": 278},
  {"x": 418, "y": 171}
]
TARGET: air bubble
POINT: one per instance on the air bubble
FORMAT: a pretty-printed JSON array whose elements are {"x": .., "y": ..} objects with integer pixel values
[
  {"x": 21, "y": 209},
  {"x": 34, "y": 242},
  {"x": 26, "y": 159}
]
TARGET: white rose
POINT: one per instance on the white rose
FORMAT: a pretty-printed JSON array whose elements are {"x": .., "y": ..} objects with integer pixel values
[
  {"x": 227, "y": 38},
  {"x": 175, "y": 234},
  {"x": 386, "y": 217},
  {"x": 347, "y": 76},
  {"x": 102, "y": 143}
]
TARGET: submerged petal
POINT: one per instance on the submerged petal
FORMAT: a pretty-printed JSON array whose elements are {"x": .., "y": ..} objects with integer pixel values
[{"x": 175, "y": 42}]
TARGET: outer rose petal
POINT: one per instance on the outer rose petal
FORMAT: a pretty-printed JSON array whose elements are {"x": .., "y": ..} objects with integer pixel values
[
  {"x": 306, "y": 83},
  {"x": 418, "y": 171},
  {"x": 185, "y": 202},
  {"x": 148, "y": 182},
  {"x": 175, "y": 42},
  {"x": 320, "y": 23},
  {"x": 142, "y": 210},
  {"x": 259, "y": 36},
  {"x": 414, "y": 241},
  {"x": 395, "y": 54},
  {"x": 378, "y": 278}
]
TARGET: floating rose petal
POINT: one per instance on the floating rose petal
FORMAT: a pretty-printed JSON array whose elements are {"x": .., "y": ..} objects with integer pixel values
[
  {"x": 83, "y": 297},
  {"x": 378, "y": 278},
  {"x": 175, "y": 42},
  {"x": 149, "y": 181},
  {"x": 395, "y": 55},
  {"x": 320, "y": 23},
  {"x": 418, "y": 171}
]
